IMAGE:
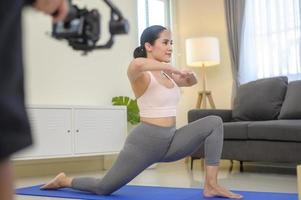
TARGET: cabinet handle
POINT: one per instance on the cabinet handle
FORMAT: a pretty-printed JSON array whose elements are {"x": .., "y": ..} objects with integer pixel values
[
  {"x": 77, "y": 130},
  {"x": 68, "y": 131}
]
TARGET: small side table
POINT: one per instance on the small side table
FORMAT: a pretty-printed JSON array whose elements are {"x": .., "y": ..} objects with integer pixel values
[{"x": 299, "y": 180}]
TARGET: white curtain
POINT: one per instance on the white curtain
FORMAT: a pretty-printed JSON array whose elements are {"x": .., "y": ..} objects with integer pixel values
[{"x": 271, "y": 40}]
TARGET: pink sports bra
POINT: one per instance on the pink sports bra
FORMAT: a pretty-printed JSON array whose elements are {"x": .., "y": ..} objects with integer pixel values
[{"x": 158, "y": 100}]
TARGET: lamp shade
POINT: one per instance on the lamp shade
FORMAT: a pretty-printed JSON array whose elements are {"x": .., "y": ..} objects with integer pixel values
[{"x": 202, "y": 51}]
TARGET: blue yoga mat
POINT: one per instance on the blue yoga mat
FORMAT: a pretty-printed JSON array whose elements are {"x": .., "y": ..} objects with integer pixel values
[{"x": 149, "y": 193}]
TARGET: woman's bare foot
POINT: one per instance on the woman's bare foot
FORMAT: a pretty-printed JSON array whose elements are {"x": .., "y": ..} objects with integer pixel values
[
  {"x": 218, "y": 191},
  {"x": 60, "y": 181}
]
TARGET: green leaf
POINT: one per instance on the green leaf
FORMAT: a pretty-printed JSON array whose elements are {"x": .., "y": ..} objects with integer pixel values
[{"x": 132, "y": 108}]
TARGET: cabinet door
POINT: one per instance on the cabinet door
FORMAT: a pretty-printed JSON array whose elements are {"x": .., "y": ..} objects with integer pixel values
[
  {"x": 51, "y": 128},
  {"x": 99, "y": 131}
]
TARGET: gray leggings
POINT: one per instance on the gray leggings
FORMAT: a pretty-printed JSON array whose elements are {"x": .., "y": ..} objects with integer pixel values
[{"x": 148, "y": 144}]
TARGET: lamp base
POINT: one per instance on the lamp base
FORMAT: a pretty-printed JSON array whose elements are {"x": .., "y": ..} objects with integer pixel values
[{"x": 202, "y": 96}]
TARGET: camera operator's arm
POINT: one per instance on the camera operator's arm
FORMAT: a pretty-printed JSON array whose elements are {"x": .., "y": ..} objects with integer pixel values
[
  {"x": 57, "y": 8},
  {"x": 140, "y": 65}
]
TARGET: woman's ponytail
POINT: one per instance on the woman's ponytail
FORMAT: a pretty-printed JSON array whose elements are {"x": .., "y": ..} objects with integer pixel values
[{"x": 139, "y": 52}]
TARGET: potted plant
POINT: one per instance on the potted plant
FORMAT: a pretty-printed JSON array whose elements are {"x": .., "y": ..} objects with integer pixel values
[{"x": 132, "y": 108}]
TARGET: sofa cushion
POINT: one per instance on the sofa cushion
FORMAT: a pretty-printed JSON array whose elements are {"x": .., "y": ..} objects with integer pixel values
[
  {"x": 236, "y": 130},
  {"x": 195, "y": 114},
  {"x": 259, "y": 100},
  {"x": 291, "y": 108},
  {"x": 276, "y": 130}
]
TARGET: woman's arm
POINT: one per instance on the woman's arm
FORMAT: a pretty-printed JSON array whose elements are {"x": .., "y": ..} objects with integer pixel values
[
  {"x": 186, "y": 79},
  {"x": 139, "y": 65}
]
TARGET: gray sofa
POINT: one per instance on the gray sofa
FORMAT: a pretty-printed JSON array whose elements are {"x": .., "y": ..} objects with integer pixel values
[{"x": 264, "y": 124}]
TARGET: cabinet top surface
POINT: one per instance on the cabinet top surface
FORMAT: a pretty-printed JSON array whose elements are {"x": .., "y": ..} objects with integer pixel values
[{"x": 77, "y": 107}]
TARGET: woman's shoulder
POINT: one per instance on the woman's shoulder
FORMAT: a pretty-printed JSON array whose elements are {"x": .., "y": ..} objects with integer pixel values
[{"x": 136, "y": 62}]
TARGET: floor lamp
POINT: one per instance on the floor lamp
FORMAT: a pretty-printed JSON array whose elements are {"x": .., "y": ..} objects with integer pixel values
[{"x": 203, "y": 52}]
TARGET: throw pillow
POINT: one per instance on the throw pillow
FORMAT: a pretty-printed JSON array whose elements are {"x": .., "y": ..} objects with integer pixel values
[
  {"x": 260, "y": 100},
  {"x": 291, "y": 108}
]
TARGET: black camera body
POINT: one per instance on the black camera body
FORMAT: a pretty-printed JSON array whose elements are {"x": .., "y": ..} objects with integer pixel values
[{"x": 82, "y": 29}]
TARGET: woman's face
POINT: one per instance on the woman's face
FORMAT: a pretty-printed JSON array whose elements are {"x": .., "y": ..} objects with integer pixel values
[{"x": 161, "y": 50}]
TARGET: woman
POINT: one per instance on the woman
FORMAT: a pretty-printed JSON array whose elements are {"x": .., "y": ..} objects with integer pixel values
[{"x": 155, "y": 84}]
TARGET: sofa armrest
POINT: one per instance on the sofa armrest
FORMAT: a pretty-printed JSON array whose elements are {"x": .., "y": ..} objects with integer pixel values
[{"x": 196, "y": 114}]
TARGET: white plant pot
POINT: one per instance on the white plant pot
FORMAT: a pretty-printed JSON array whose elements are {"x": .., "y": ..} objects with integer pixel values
[{"x": 130, "y": 127}]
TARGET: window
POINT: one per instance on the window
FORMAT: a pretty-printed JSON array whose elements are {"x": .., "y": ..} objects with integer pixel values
[
  {"x": 152, "y": 12},
  {"x": 271, "y": 40}
]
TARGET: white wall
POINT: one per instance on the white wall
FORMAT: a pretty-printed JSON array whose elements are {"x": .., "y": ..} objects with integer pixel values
[
  {"x": 195, "y": 18},
  {"x": 56, "y": 74}
]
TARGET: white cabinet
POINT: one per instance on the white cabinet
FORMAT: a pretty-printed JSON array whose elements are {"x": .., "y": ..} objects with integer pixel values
[
  {"x": 95, "y": 130},
  {"x": 51, "y": 130},
  {"x": 64, "y": 131}
]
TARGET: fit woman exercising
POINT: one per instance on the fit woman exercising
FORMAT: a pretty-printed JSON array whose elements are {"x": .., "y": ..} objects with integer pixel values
[{"x": 155, "y": 84}]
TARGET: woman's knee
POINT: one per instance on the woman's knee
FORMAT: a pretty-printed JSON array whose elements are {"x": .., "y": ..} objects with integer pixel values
[
  {"x": 103, "y": 189},
  {"x": 216, "y": 121}
]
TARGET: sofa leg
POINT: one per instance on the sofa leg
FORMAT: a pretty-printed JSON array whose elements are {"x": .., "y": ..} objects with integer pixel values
[
  {"x": 191, "y": 163},
  {"x": 299, "y": 180},
  {"x": 241, "y": 167},
  {"x": 231, "y": 166}
]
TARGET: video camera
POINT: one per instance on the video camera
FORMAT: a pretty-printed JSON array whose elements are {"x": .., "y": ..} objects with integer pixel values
[{"x": 81, "y": 28}]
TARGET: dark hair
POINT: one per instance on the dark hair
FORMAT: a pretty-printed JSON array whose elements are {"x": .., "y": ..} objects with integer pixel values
[{"x": 150, "y": 34}]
